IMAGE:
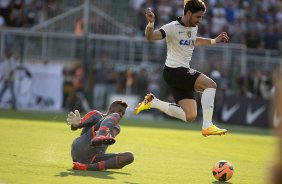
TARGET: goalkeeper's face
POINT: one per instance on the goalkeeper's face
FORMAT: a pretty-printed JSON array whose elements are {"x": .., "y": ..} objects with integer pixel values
[{"x": 117, "y": 108}]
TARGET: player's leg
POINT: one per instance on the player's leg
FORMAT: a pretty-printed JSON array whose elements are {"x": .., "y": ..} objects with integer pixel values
[
  {"x": 171, "y": 109},
  {"x": 208, "y": 88},
  {"x": 189, "y": 107},
  {"x": 106, "y": 130},
  {"x": 106, "y": 161},
  {"x": 180, "y": 80},
  {"x": 4, "y": 88},
  {"x": 11, "y": 87},
  {"x": 276, "y": 169}
]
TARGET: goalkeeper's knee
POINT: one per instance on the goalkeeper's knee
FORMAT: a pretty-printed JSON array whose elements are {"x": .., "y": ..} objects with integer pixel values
[{"x": 124, "y": 159}]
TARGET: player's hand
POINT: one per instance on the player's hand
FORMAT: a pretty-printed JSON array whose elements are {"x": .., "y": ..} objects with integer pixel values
[
  {"x": 222, "y": 37},
  {"x": 73, "y": 119},
  {"x": 150, "y": 16}
]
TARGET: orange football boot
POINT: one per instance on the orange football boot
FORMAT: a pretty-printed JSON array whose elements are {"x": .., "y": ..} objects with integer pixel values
[
  {"x": 213, "y": 130},
  {"x": 145, "y": 104}
]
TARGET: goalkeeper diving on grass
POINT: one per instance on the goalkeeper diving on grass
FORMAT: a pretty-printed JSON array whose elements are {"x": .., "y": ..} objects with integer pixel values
[
  {"x": 99, "y": 130},
  {"x": 181, "y": 38}
]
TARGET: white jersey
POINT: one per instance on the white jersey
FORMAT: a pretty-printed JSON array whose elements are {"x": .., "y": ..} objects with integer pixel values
[{"x": 180, "y": 43}]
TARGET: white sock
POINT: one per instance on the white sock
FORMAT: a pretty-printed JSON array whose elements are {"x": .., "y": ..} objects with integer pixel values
[
  {"x": 207, "y": 106},
  {"x": 170, "y": 109}
]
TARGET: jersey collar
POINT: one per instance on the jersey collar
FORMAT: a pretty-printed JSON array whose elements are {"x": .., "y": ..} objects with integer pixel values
[{"x": 180, "y": 21}]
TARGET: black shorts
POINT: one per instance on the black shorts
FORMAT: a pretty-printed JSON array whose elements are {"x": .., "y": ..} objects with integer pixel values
[{"x": 182, "y": 81}]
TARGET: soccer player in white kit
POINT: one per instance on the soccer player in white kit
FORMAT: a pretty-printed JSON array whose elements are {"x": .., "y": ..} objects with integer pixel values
[{"x": 181, "y": 38}]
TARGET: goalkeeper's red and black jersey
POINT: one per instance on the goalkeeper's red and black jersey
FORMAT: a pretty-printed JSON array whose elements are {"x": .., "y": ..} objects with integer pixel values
[
  {"x": 82, "y": 151},
  {"x": 90, "y": 119}
]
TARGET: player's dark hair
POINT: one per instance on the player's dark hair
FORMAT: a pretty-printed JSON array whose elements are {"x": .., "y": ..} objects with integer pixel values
[
  {"x": 194, "y": 6},
  {"x": 119, "y": 102}
]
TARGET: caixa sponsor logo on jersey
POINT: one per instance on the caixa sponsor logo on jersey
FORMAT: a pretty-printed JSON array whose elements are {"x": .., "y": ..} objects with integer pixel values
[{"x": 187, "y": 42}]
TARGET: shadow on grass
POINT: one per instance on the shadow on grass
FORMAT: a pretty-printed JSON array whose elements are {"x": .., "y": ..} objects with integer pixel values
[
  {"x": 136, "y": 121},
  {"x": 95, "y": 174},
  {"x": 221, "y": 182}
]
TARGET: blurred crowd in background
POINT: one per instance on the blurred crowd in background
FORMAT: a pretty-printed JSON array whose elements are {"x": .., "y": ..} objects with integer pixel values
[
  {"x": 106, "y": 80},
  {"x": 255, "y": 23},
  {"x": 25, "y": 13}
]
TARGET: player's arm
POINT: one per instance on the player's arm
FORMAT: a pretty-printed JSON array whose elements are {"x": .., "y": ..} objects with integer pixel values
[
  {"x": 150, "y": 33},
  {"x": 90, "y": 119},
  {"x": 222, "y": 37},
  {"x": 116, "y": 131}
]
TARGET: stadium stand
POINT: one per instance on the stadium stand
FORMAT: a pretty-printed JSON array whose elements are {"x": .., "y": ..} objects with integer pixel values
[{"x": 47, "y": 30}]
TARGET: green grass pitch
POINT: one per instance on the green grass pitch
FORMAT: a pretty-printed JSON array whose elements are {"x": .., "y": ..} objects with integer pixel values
[{"x": 35, "y": 148}]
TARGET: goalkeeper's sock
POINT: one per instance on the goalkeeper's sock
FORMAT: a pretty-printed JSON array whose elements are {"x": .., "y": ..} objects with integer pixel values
[
  {"x": 99, "y": 166},
  {"x": 117, "y": 162},
  {"x": 170, "y": 109}
]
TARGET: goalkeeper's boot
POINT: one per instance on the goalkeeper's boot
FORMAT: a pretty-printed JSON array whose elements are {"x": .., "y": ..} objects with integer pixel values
[
  {"x": 213, "y": 130},
  {"x": 145, "y": 104},
  {"x": 102, "y": 139},
  {"x": 79, "y": 166}
]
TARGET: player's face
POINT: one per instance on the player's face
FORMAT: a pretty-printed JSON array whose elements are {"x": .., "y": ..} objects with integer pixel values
[
  {"x": 196, "y": 18},
  {"x": 117, "y": 109}
]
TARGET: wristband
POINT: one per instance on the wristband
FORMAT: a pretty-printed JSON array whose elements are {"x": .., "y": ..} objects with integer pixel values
[
  {"x": 213, "y": 41},
  {"x": 151, "y": 24}
]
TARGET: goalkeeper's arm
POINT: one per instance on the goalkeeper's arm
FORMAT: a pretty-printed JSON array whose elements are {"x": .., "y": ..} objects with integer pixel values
[{"x": 90, "y": 119}]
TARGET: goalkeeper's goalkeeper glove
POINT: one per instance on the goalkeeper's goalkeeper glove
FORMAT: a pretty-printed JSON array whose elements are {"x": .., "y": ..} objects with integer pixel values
[{"x": 73, "y": 119}]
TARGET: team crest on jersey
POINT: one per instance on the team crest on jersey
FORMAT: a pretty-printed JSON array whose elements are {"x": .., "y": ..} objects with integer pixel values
[
  {"x": 191, "y": 71},
  {"x": 189, "y": 34}
]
